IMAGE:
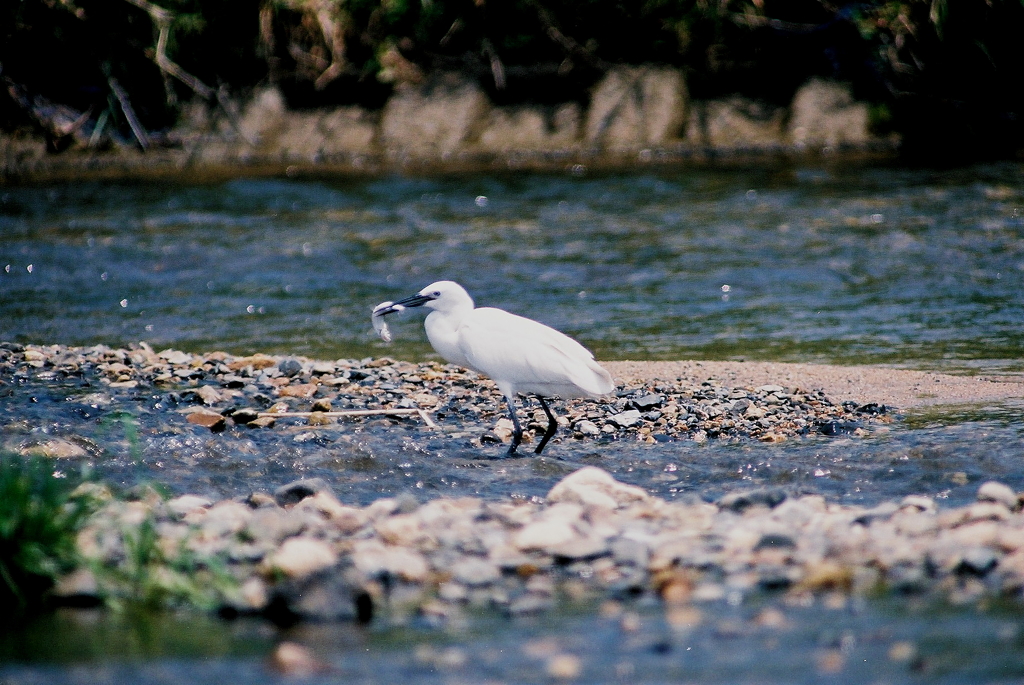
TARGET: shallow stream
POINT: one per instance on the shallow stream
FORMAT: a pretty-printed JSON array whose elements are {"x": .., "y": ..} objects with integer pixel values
[{"x": 919, "y": 268}]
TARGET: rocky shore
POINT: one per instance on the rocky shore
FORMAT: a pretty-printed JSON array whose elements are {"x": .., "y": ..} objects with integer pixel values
[
  {"x": 636, "y": 116},
  {"x": 218, "y": 389},
  {"x": 300, "y": 553}
]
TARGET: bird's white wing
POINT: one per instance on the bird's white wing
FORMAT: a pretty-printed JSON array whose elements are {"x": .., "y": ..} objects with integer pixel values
[{"x": 529, "y": 356}]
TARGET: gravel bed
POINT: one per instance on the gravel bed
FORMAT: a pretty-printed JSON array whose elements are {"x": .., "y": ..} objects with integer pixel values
[
  {"x": 300, "y": 553},
  {"x": 216, "y": 387}
]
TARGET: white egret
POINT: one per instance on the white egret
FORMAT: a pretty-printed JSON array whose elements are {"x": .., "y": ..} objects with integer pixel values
[{"x": 522, "y": 356}]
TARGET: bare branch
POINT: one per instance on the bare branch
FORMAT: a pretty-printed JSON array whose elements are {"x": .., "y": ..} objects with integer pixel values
[
  {"x": 129, "y": 113},
  {"x": 571, "y": 47},
  {"x": 354, "y": 412},
  {"x": 497, "y": 68},
  {"x": 334, "y": 35},
  {"x": 162, "y": 19}
]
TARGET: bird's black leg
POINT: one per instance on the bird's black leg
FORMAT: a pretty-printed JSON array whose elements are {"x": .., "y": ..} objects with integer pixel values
[
  {"x": 552, "y": 426},
  {"x": 517, "y": 431}
]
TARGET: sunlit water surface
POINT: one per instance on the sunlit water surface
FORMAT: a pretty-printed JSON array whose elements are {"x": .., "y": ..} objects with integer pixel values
[{"x": 918, "y": 268}]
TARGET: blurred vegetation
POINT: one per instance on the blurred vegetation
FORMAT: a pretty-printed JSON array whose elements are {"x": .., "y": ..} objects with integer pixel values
[
  {"x": 945, "y": 73},
  {"x": 39, "y": 520}
]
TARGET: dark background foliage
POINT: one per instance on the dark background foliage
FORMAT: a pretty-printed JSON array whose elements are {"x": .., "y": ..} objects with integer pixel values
[{"x": 944, "y": 73}]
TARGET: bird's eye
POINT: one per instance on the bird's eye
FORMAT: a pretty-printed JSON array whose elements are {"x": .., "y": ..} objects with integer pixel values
[{"x": 437, "y": 293}]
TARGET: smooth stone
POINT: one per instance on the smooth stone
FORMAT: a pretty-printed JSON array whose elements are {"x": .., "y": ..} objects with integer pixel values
[
  {"x": 289, "y": 367},
  {"x": 587, "y": 427},
  {"x": 272, "y": 525},
  {"x": 55, "y": 448},
  {"x": 977, "y": 561},
  {"x": 215, "y": 422},
  {"x": 630, "y": 551},
  {"x": 580, "y": 548},
  {"x": 262, "y": 422},
  {"x": 225, "y": 518},
  {"x": 296, "y": 661},
  {"x": 593, "y": 486},
  {"x": 299, "y": 557},
  {"x": 627, "y": 419},
  {"x": 78, "y": 585},
  {"x": 544, "y": 535},
  {"x": 326, "y": 596},
  {"x": 994, "y": 491},
  {"x": 184, "y": 504},
  {"x": 474, "y": 571},
  {"x": 296, "y": 491},
  {"x": 530, "y": 603},
  {"x": 208, "y": 394},
  {"x": 245, "y": 416},
  {"x": 373, "y": 559},
  {"x": 739, "y": 501},
  {"x": 647, "y": 402}
]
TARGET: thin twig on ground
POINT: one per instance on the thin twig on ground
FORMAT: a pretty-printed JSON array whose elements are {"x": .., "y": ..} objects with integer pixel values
[{"x": 353, "y": 412}]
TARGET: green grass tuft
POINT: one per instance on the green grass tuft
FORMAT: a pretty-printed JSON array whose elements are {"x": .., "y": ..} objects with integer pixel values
[{"x": 39, "y": 521}]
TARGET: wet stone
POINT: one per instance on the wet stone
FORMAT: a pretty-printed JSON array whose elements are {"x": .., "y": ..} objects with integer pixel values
[
  {"x": 739, "y": 501},
  {"x": 993, "y": 491},
  {"x": 244, "y": 416},
  {"x": 647, "y": 402},
  {"x": 295, "y": 492},
  {"x": 289, "y": 367},
  {"x": 215, "y": 422},
  {"x": 626, "y": 419},
  {"x": 55, "y": 448}
]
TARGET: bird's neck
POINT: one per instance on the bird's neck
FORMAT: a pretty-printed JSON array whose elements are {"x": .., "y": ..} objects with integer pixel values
[{"x": 443, "y": 332}]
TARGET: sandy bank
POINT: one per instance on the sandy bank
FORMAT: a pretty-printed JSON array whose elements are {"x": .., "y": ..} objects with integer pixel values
[{"x": 901, "y": 388}]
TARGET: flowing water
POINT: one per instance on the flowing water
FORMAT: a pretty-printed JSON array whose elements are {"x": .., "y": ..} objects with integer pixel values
[{"x": 919, "y": 268}]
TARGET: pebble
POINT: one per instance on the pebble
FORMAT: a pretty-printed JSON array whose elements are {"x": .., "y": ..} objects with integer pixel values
[
  {"x": 299, "y": 557},
  {"x": 303, "y": 551},
  {"x": 321, "y": 559},
  {"x": 297, "y": 661},
  {"x": 242, "y": 387},
  {"x": 207, "y": 419},
  {"x": 55, "y": 448},
  {"x": 993, "y": 491}
]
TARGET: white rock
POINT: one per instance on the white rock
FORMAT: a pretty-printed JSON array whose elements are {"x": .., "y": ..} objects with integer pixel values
[
  {"x": 55, "y": 448},
  {"x": 994, "y": 491},
  {"x": 630, "y": 417},
  {"x": 224, "y": 518},
  {"x": 208, "y": 394},
  {"x": 473, "y": 571},
  {"x": 301, "y": 556},
  {"x": 824, "y": 114},
  {"x": 593, "y": 486},
  {"x": 544, "y": 535},
  {"x": 186, "y": 503},
  {"x": 371, "y": 558}
]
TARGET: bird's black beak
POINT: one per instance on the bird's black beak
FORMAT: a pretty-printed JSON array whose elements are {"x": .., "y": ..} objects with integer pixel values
[
  {"x": 385, "y": 308},
  {"x": 414, "y": 301}
]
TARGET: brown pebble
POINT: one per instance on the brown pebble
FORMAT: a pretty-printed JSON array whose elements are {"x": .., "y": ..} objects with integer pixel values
[
  {"x": 303, "y": 390},
  {"x": 262, "y": 422},
  {"x": 564, "y": 666},
  {"x": 293, "y": 659},
  {"x": 215, "y": 422},
  {"x": 318, "y": 418},
  {"x": 322, "y": 404}
]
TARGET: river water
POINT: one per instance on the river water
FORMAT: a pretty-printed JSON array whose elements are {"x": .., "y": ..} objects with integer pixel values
[
  {"x": 868, "y": 265},
  {"x": 920, "y": 268}
]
